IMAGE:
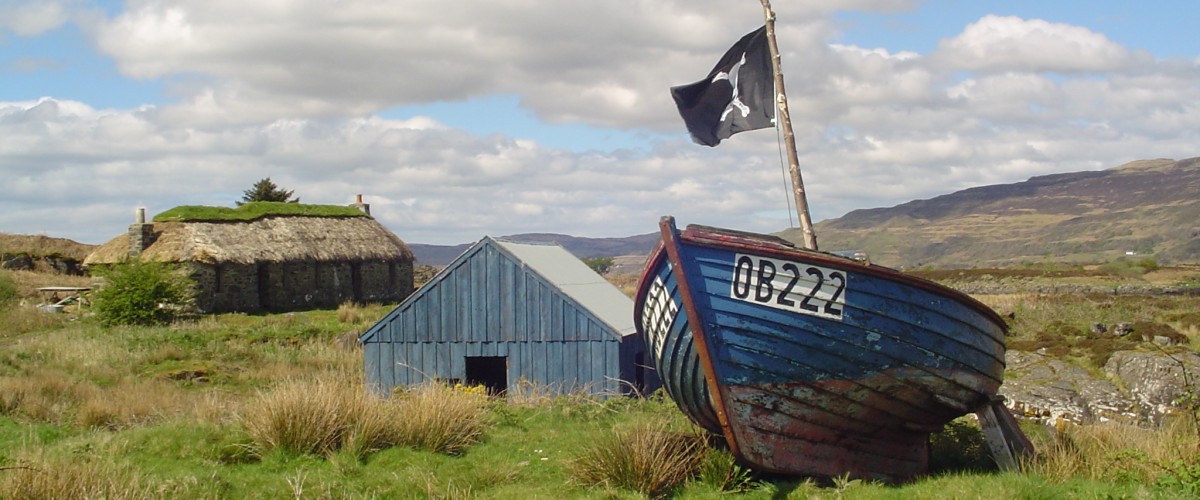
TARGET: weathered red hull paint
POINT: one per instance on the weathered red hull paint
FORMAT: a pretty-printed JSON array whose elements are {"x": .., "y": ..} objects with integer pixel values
[
  {"x": 777, "y": 442},
  {"x": 829, "y": 428}
]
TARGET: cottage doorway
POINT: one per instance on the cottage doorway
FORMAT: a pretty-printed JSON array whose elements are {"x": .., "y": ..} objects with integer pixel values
[{"x": 489, "y": 371}]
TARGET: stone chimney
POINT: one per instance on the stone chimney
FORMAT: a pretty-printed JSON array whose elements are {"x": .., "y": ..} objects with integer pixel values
[
  {"x": 358, "y": 203},
  {"x": 141, "y": 234}
]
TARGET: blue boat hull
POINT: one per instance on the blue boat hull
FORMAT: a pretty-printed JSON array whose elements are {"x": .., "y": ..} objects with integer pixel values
[{"x": 809, "y": 363}]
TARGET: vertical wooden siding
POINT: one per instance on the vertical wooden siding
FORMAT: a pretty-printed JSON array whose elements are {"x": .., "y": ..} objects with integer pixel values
[{"x": 489, "y": 304}]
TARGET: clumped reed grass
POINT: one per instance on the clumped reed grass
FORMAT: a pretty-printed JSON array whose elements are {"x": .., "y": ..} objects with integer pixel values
[
  {"x": 323, "y": 417},
  {"x": 43, "y": 395},
  {"x": 721, "y": 471},
  {"x": 131, "y": 403},
  {"x": 649, "y": 458},
  {"x": 349, "y": 312},
  {"x": 45, "y": 478},
  {"x": 438, "y": 418},
  {"x": 309, "y": 416},
  {"x": 52, "y": 397},
  {"x": 1117, "y": 451}
]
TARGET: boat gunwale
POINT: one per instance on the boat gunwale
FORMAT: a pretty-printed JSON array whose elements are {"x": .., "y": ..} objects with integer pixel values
[{"x": 773, "y": 246}]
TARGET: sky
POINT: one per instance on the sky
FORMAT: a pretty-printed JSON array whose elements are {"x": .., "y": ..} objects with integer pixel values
[{"x": 457, "y": 120}]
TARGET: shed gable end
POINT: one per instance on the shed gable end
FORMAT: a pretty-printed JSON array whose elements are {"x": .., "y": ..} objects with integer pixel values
[{"x": 488, "y": 295}]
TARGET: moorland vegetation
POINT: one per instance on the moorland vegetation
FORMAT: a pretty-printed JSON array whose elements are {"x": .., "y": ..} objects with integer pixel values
[{"x": 271, "y": 406}]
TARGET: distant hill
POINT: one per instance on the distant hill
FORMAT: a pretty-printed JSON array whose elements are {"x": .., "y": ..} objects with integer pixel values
[
  {"x": 1144, "y": 208},
  {"x": 440, "y": 255}
]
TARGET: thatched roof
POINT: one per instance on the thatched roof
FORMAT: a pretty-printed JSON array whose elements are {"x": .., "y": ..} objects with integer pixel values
[{"x": 268, "y": 239}]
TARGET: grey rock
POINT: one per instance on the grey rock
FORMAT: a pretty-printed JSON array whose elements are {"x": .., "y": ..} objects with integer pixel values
[
  {"x": 19, "y": 262},
  {"x": 1122, "y": 329},
  {"x": 1156, "y": 381},
  {"x": 1142, "y": 388},
  {"x": 1049, "y": 390}
]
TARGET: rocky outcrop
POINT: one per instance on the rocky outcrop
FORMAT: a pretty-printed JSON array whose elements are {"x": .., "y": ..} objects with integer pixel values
[
  {"x": 48, "y": 263},
  {"x": 1157, "y": 383},
  {"x": 1135, "y": 387}
]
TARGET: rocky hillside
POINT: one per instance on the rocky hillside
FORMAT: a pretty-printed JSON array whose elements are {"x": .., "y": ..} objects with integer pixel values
[
  {"x": 41, "y": 253},
  {"x": 1144, "y": 208}
]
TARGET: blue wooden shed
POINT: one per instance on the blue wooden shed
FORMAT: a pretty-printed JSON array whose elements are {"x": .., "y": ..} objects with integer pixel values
[{"x": 506, "y": 312}]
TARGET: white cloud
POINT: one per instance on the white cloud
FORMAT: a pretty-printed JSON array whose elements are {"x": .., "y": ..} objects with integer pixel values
[
  {"x": 33, "y": 17},
  {"x": 290, "y": 90},
  {"x": 1008, "y": 43}
]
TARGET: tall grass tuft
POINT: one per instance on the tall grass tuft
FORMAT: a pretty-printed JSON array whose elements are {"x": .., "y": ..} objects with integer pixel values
[
  {"x": 721, "y": 471},
  {"x": 438, "y": 418},
  {"x": 60, "y": 478},
  {"x": 1117, "y": 451},
  {"x": 323, "y": 418},
  {"x": 307, "y": 417},
  {"x": 349, "y": 312},
  {"x": 17, "y": 319},
  {"x": 648, "y": 458}
]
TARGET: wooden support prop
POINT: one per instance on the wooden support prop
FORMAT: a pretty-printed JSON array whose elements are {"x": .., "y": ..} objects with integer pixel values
[{"x": 1004, "y": 438}]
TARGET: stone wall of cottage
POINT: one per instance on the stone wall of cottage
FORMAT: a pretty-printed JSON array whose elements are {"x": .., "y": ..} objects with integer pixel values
[{"x": 292, "y": 286}]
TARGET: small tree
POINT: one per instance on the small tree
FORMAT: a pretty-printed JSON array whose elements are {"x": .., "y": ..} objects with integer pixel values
[
  {"x": 265, "y": 190},
  {"x": 599, "y": 264},
  {"x": 142, "y": 293}
]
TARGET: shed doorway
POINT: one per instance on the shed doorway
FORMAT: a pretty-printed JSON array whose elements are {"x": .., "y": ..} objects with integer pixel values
[{"x": 489, "y": 371}]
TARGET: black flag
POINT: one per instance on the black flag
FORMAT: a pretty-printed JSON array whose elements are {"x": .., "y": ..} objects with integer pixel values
[{"x": 737, "y": 95}]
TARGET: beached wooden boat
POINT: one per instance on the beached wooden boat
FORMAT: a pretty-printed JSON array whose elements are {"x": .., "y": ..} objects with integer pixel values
[
  {"x": 807, "y": 362},
  {"x": 810, "y": 363}
]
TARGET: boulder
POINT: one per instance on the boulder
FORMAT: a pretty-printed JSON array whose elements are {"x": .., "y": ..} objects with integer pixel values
[
  {"x": 16, "y": 262},
  {"x": 1052, "y": 392},
  {"x": 1142, "y": 388},
  {"x": 1156, "y": 381}
]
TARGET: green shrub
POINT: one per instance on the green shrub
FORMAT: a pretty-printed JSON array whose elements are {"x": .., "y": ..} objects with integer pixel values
[
  {"x": 960, "y": 447},
  {"x": 1130, "y": 268},
  {"x": 142, "y": 293},
  {"x": 720, "y": 470},
  {"x": 599, "y": 264},
  {"x": 8, "y": 289}
]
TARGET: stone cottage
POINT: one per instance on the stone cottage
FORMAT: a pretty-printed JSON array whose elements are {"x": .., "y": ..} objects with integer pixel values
[{"x": 274, "y": 262}]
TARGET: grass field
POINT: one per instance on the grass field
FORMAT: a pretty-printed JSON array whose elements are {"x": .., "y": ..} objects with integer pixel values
[{"x": 272, "y": 406}]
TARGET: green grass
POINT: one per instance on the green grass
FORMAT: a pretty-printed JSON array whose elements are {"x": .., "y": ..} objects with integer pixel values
[
  {"x": 254, "y": 210},
  {"x": 169, "y": 412}
]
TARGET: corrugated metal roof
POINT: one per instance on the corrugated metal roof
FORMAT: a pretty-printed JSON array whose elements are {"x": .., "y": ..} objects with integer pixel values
[{"x": 578, "y": 281}]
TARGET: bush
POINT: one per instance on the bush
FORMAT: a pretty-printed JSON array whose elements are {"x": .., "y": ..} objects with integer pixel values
[
  {"x": 599, "y": 264},
  {"x": 142, "y": 293},
  {"x": 8, "y": 289},
  {"x": 960, "y": 447}
]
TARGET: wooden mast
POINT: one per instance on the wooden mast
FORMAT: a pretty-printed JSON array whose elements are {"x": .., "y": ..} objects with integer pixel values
[{"x": 789, "y": 138}]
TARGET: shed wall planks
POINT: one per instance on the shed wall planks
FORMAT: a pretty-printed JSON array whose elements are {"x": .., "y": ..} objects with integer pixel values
[{"x": 489, "y": 303}]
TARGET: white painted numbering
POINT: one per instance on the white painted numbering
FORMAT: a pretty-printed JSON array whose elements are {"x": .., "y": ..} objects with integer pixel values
[{"x": 790, "y": 286}]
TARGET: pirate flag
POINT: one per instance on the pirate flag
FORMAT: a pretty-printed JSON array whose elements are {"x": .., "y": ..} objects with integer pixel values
[{"x": 737, "y": 95}]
